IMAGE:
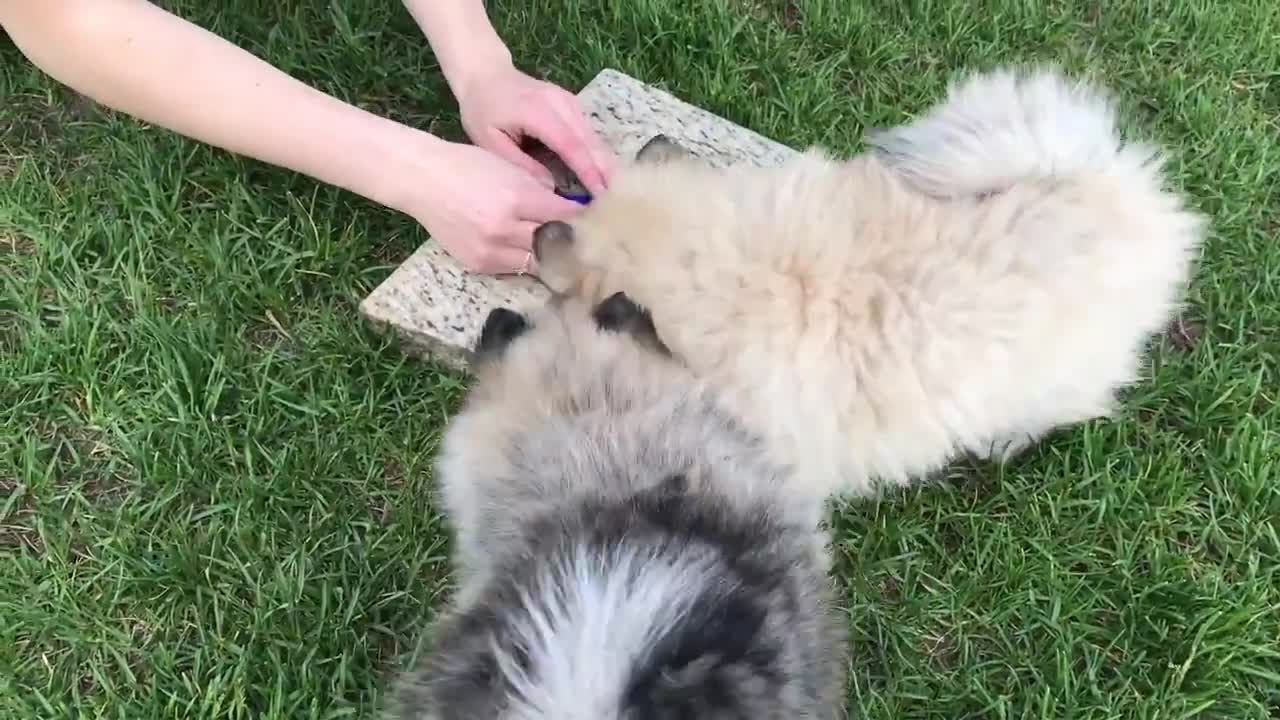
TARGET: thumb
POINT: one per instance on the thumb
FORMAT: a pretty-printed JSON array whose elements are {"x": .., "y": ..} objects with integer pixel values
[{"x": 540, "y": 206}]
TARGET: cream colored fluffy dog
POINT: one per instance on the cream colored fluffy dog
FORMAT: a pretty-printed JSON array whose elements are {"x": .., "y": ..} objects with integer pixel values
[{"x": 980, "y": 277}]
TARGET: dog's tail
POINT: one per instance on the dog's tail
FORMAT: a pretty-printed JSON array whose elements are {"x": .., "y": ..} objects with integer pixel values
[{"x": 1002, "y": 127}]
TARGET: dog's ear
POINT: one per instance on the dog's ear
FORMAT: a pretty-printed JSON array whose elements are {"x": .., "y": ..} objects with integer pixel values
[
  {"x": 661, "y": 149},
  {"x": 558, "y": 264},
  {"x": 501, "y": 328},
  {"x": 619, "y": 313}
]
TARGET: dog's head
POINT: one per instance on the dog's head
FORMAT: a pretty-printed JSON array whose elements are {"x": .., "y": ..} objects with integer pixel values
[
  {"x": 583, "y": 257},
  {"x": 572, "y": 313},
  {"x": 562, "y": 271},
  {"x": 568, "y": 332},
  {"x": 569, "y": 354}
]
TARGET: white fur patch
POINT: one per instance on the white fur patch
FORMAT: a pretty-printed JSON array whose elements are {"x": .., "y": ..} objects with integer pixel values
[{"x": 588, "y": 628}]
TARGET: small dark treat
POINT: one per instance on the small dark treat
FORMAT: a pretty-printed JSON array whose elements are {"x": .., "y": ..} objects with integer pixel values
[{"x": 567, "y": 182}]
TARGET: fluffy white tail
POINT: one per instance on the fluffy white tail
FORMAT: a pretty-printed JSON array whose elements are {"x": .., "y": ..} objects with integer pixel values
[{"x": 1001, "y": 127}]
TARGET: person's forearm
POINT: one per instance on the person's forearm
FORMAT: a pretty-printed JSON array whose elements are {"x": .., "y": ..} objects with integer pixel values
[
  {"x": 462, "y": 38},
  {"x": 136, "y": 58}
]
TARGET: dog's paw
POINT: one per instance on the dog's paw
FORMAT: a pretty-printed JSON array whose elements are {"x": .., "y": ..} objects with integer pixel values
[{"x": 1004, "y": 448}]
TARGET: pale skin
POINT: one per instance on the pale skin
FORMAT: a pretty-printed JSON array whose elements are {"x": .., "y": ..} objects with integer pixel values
[{"x": 139, "y": 59}]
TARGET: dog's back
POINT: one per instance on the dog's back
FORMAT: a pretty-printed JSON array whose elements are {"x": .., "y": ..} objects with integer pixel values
[
  {"x": 627, "y": 550},
  {"x": 974, "y": 281},
  {"x": 667, "y": 604}
]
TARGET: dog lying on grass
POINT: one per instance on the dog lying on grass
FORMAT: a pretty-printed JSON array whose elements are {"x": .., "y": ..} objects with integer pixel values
[
  {"x": 625, "y": 548},
  {"x": 637, "y": 517},
  {"x": 978, "y": 278}
]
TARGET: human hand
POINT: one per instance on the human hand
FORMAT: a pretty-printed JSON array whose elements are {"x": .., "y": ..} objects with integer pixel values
[
  {"x": 501, "y": 105},
  {"x": 480, "y": 208}
]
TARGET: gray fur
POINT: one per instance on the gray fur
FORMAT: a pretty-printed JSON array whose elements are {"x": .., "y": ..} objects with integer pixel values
[{"x": 626, "y": 549}]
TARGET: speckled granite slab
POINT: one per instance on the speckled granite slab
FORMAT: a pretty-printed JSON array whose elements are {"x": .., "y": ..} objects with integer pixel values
[{"x": 437, "y": 308}]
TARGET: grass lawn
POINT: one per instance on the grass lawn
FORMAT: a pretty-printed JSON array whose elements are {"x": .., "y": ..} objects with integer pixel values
[{"x": 214, "y": 481}]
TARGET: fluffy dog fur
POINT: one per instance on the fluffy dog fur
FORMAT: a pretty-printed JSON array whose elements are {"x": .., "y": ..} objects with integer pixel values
[
  {"x": 625, "y": 550},
  {"x": 979, "y": 278}
]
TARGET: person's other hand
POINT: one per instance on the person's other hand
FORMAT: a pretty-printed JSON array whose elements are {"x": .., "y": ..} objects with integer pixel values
[
  {"x": 479, "y": 207},
  {"x": 502, "y": 105}
]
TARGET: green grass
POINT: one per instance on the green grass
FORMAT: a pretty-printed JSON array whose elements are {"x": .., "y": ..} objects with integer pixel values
[{"x": 214, "y": 482}]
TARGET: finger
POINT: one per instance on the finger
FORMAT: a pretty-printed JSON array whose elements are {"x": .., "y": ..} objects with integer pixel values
[
  {"x": 504, "y": 147},
  {"x": 540, "y": 207},
  {"x": 602, "y": 157},
  {"x": 573, "y": 143},
  {"x": 579, "y": 155},
  {"x": 524, "y": 247},
  {"x": 502, "y": 260},
  {"x": 521, "y": 236}
]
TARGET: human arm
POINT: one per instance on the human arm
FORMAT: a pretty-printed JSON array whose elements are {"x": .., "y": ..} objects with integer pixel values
[
  {"x": 136, "y": 58},
  {"x": 499, "y": 103},
  {"x": 463, "y": 40}
]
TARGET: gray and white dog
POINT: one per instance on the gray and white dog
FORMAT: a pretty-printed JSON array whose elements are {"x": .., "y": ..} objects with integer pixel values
[{"x": 625, "y": 548}]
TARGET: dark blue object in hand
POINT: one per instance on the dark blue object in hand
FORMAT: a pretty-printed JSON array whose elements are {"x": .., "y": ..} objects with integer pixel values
[{"x": 580, "y": 199}]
